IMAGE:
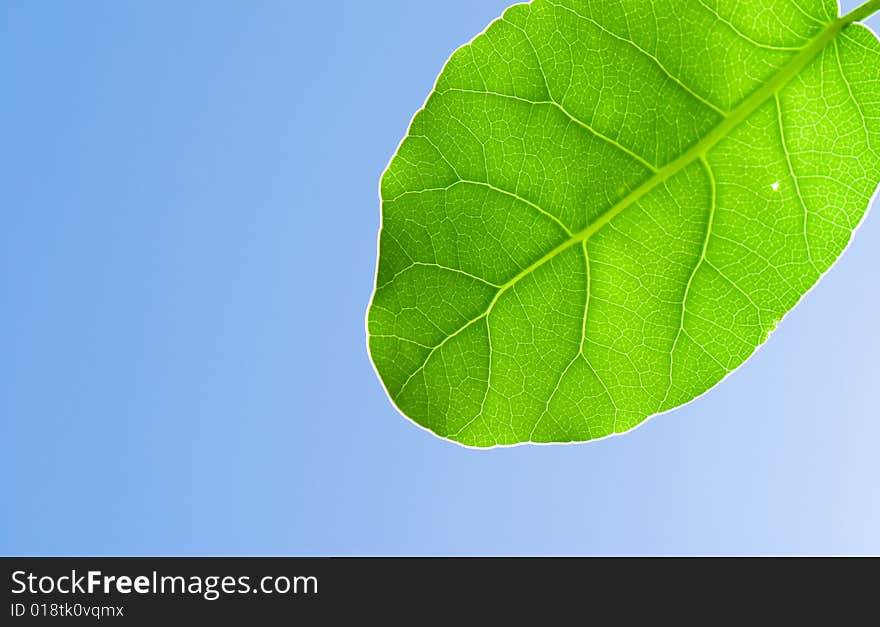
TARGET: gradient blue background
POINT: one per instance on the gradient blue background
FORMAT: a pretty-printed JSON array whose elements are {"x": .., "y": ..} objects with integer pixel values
[{"x": 189, "y": 211}]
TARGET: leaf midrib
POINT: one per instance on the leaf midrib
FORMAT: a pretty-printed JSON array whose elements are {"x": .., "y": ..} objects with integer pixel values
[
  {"x": 702, "y": 147},
  {"x": 699, "y": 150}
]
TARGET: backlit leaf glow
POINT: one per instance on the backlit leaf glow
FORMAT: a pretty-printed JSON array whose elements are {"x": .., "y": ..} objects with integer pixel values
[{"x": 606, "y": 206}]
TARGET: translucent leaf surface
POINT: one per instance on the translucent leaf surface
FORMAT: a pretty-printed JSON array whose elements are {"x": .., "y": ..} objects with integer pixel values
[{"x": 605, "y": 207}]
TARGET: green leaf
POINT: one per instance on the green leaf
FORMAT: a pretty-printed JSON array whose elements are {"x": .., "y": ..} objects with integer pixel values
[{"x": 604, "y": 207}]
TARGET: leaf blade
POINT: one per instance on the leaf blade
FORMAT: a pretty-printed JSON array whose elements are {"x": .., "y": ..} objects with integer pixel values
[{"x": 529, "y": 366}]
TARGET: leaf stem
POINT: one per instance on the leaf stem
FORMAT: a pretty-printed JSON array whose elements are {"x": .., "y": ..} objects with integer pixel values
[{"x": 860, "y": 13}]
